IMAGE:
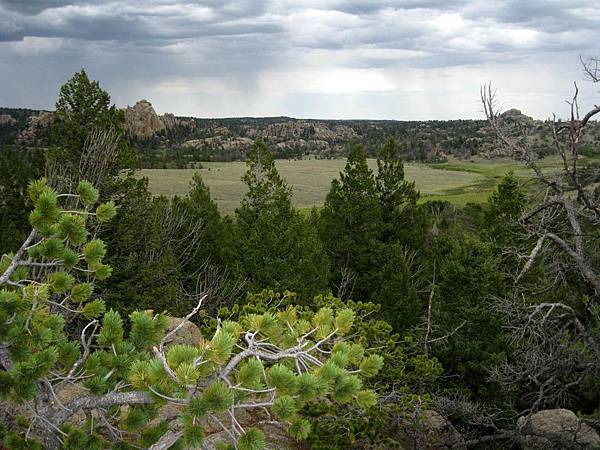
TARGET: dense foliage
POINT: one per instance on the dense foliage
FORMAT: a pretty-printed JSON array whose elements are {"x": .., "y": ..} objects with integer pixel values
[{"x": 350, "y": 325}]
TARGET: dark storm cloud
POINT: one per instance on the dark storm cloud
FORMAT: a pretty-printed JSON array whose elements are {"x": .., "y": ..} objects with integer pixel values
[
  {"x": 279, "y": 48},
  {"x": 370, "y": 7},
  {"x": 131, "y": 20},
  {"x": 33, "y": 6},
  {"x": 549, "y": 16},
  {"x": 325, "y": 24}
]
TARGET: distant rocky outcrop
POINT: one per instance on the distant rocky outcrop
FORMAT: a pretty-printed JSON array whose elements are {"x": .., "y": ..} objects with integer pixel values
[
  {"x": 171, "y": 121},
  {"x": 142, "y": 122},
  {"x": 299, "y": 129},
  {"x": 556, "y": 428},
  {"x": 37, "y": 129},
  {"x": 7, "y": 119},
  {"x": 516, "y": 116},
  {"x": 310, "y": 137}
]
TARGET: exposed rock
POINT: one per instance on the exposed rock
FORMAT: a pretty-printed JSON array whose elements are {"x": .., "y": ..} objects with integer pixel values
[
  {"x": 311, "y": 145},
  {"x": 170, "y": 121},
  {"x": 556, "y": 428},
  {"x": 7, "y": 119},
  {"x": 222, "y": 131},
  {"x": 516, "y": 116},
  {"x": 10, "y": 413},
  {"x": 294, "y": 130},
  {"x": 275, "y": 433},
  {"x": 429, "y": 431},
  {"x": 241, "y": 144},
  {"x": 141, "y": 120},
  {"x": 187, "y": 334},
  {"x": 38, "y": 128}
]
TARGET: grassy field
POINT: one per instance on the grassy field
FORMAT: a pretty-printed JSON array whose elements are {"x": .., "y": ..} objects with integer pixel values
[{"x": 457, "y": 181}]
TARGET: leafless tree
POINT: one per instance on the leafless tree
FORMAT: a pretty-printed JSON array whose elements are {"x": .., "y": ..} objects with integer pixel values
[
  {"x": 346, "y": 284},
  {"x": 554, "y": 353},
  {"x": 219, "y": 284},
  {"x": 569, "y": 208},
  {"x": 97, "y": 157},
  {"x": 556, "y": 347}
]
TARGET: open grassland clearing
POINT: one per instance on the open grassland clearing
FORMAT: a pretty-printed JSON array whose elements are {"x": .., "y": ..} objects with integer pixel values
[{"x": 457, "y": 181}]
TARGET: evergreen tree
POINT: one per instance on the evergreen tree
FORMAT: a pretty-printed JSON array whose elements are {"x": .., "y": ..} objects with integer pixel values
[
  {"x": 200, "y": 210},
  {"x": 505, "y": 206},
  {"x": 143, "y": 269},
  {"x": 399, "y": 300},
  {"x": 403, "y": 220},
  {"x": 468, "y": 276},
  {"x": 83, "y": 106},
  {"x": 17, "y": 167},
  {"x": 51, "y": 277},
  {"x": 394, "y": 191},
  {"x": 350, "y": 223},
  {"x": 181, "y": 236},
  {"x": 276, "y": 247},
  {"x": 266, "y": 189}
]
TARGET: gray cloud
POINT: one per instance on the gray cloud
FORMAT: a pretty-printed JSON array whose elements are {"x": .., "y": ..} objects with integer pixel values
[
  {"x": 283, "y": 55},
  {"x": 33, "y": 6}
]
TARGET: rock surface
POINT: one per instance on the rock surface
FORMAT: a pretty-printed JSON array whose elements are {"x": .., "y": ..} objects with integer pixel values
[
  {"x": 7, "y": 119},
  {"x": 430, "y": 431},
  {"x": 38, "y": 127},
  {"x": 187, "y": 334},
  {"x": 142, "y": 121},
  {"x": 275, "y": 433},
  {"x": 556, "y": 428},
  {"x": 515, "y": 115}
]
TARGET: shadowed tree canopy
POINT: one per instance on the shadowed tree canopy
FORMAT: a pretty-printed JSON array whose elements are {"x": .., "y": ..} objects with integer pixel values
[
  {"x": 84, "y": 106},
  {"x": 394, "y": 190},
  {"x": 351, "y": 223},
  {"x": 276, "y": 246},
  {"x": 403, "y": 220}
]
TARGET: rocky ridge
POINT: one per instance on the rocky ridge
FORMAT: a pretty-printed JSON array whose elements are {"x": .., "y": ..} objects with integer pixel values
[{"x": 142, "y": 122}]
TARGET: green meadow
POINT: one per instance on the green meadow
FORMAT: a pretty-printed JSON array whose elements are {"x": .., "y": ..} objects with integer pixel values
[{"x": 457, "y": 181}]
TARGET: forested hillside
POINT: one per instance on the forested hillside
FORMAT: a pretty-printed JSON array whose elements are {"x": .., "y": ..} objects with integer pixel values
[
  {"x": 167, "y": 141},
  {"x": 130, "y": 321}
]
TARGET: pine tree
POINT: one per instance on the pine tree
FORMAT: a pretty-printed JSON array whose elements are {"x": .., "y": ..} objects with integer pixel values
[
  {"x": 276, "y": 247},
  {"x": 505, "y": 206},
  {"x": 201, "y": 210},
  {"x": 265, "y": 187},
  {"x": 396, "y": 293},
  {"x": 17, "y": 167},
  {"x": 282, "y": 360},
  {"x": 394, "y": 191},
  {"x": 350, "y": 223},
  {"x": 83, "y": 106},
  {"x": 403, "y": 219}
]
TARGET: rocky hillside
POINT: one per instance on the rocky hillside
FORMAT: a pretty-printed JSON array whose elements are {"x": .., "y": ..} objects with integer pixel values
[{"x": 170, "y": 141}]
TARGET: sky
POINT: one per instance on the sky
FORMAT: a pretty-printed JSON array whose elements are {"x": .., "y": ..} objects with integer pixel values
[{"x": 402, "y": 60}]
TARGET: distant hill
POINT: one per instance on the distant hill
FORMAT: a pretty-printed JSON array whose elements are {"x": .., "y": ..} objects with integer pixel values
[{"x": 170, "y": 141}]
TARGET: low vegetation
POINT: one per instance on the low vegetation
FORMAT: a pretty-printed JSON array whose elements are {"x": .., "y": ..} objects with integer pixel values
[{"x": 386, "y": 318}]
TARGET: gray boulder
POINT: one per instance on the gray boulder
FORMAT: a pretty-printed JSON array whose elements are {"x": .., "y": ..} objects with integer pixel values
[
  {"x": 428, "y": 431},
  {"x": 556, "y": 429}
]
